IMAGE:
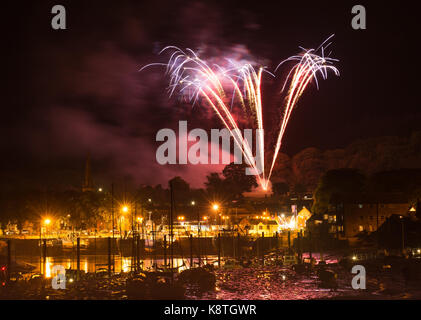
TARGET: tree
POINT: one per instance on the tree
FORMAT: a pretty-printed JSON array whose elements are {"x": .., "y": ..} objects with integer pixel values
[
  {"x": 280, "y": 188},
  {"x": 334, "y": 182},
  {"x": 215, "y": 185},
  {"x": 181, "y": 189},
  {"x": 299, "y": 188},
  {"x": 237, "y": 180},
  {"x": 402, "y": 180}
]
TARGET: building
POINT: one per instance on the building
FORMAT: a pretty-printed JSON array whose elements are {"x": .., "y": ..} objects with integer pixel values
[
  {"x": 365, "y": 213},
  {"x": 302, "y": 218},
  {"x": 258, "y": 226}
]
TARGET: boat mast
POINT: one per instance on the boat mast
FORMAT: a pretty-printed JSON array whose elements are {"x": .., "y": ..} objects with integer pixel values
[{"x": 171, "y": 226}]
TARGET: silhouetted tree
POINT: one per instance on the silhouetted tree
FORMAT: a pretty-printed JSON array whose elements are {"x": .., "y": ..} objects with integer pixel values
[
  {"x": 237, "y": 180},
  {"x": 280, "y": 188},
  {"x": 340, "y": 181}
]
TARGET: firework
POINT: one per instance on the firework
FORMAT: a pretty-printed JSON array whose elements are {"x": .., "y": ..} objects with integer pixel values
[
  {"x": 193, "y": 77},
  {"x": 222, "y": 87},
  {"x": 309, "y": 65}
]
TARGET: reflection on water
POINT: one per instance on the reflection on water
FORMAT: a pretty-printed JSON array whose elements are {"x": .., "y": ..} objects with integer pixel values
[{"x": 92, "y": 263}]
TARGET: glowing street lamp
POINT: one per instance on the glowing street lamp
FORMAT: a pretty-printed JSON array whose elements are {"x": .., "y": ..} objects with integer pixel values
[
  {"x": 46, "y": 223},
  {"x": 125, "y": 209},
  {"x": 139, "y": 222},
  {"x": 215, "y": 208}
]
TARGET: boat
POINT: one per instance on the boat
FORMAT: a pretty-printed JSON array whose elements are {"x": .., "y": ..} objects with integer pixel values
[
  {"x": 20, "y": 267},
  {"x": 231, "y": 264},
  {"x": 289, "y": 260},
  {"x": 70, "y": 244},
  {"x": 155, "y": 286},
  {"x": 201, "y": 277},
  {"x": 327, "y": 278}
]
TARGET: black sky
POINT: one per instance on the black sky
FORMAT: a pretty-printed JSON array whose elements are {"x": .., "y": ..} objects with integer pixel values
[{"x": 73, "y": 92}]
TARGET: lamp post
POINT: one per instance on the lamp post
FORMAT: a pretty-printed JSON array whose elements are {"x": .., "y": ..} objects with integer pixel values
[
  {"x": 124, "y": 210},
  {"x": 139, "y": 222},
  {"x": 403, "y": 235},
  {"x": 215, "y": 208},
  {"x": 193, "y": 203},
  {"x": 46, "y": 223}
]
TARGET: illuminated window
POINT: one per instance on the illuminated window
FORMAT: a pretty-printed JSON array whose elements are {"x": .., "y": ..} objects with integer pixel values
[
  {"x": 360, "y": 228},
  {"x": 360, "y": 206}
]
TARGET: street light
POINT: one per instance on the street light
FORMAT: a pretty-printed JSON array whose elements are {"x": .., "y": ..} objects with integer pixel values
[
  {"x": 193, "y": 203},
  {"x": 403, "y": 235},
  {"x": 46, "y": 222},
  {"x": 121, "y": 230},
  {"x": 139, "y": 222},
  {"x": 125, "y": 209},
  {"x": 215, "y": 208}
]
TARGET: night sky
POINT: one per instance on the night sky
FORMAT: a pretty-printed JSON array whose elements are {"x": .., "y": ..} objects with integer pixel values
[{"x": 78, "y": 91}]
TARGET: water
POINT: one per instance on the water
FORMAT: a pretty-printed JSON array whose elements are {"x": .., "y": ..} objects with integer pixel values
[
  {"x": 92, "y": 263},
  {"x": 260, "y": 282}
]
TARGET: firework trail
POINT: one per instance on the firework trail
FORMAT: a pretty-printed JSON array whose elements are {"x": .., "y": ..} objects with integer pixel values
[
  {"x": 287, "y": 223},
  {"x": 308, "y": 66},
  {"x": 193, "y": 78}
]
